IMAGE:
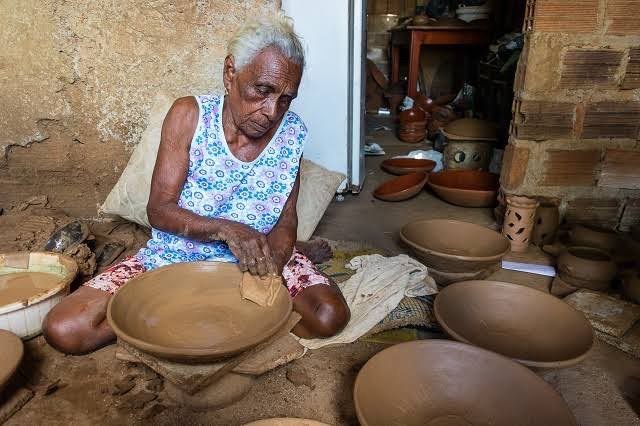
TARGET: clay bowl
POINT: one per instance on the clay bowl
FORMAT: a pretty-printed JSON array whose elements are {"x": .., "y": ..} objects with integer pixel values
[
  {"x": 454, "y": 246},
  {"x": 593, "y": 236},
  {"x": 440, "y": 382},
  {"x": 519, "y": 322},
  {"x": 193, "y": 312},
  {"x": 11, "y": 351},
  {"x": 466, "y": 188},
  {"x": 586, "y": 267},
  {"x": 403, "y": 166},
  {"x": 402, "y": 187}
]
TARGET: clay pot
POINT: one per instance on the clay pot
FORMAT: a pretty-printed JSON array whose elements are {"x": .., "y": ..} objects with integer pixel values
[
  {"x": 412, "y": 115},
  {"x": 586, "y": 267},
  {"x": 593, "y": 236},
  {"x": 403, "y": 166},
  {"x": 519, "y": 221},
  {"x": 473, "y": 155},
  {"x": 413, "y": 124},
  {"x": 440, "y": 382},
  {"x": 454, "y": 246},
  {"x": 516, "y": 321},
  {"x": 466, "y": 188},
  {"x": 631, "y": 285},
  {"x": 11, "y": 351},
  {"x": 402, "y": 187},
  {"x": 470, "y": 129},
  {"x": 423, "y": 102},
  {"x": 547, "y": 220},
  {"x": 193, "y": 312}
]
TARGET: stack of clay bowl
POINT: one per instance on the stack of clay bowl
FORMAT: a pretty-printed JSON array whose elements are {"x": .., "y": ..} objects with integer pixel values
[
  {"x": 439, "y": 382},
  {"x": 413, "y": 125},
  {"x": 469, "y": 144},
  {"x": 466, "y": 188},
  {"x": 454, "y": 250}
]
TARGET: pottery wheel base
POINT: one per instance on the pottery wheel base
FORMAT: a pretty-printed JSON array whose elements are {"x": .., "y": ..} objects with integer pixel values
[{"x": 229, "y": 389}]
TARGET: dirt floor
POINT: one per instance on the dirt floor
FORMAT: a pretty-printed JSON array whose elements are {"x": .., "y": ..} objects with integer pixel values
[{"x": 93, "y": 389}]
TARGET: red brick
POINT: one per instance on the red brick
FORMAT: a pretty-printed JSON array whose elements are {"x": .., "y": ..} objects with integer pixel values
[
  {"x": 620, "y": 169},
  {"x": 566, "y": 16},
  {"x": 586, "y": 67},
  {"x": 596, "y": 211},
  {"x": 514, "y": 166},
  {"x": 536, "y": 120},
  {"x": 611, "y": 120},
  {"x": 571, "y": 168},
  {"x": 622, "y": 17},
  {"x": 632, "y": 73},
  {"x": 630, "y": 215}
]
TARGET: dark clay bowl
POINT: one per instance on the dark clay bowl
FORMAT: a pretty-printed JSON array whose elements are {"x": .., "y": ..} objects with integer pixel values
[
  {"x": 193, "y": 312},
  {"x": 466, "y": 188},
  {"x": 454, "y": 246},
  {"x": 440, "y": 382},
  {"x": 519, "y": 322},
  {"x": 11, "y": 351},
  {"x": 402, "y": 187},
  {"x": 403, "y": 166}
]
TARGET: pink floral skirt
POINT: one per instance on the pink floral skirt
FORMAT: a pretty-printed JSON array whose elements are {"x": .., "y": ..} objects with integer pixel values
[{"x": 298, "y": 274}]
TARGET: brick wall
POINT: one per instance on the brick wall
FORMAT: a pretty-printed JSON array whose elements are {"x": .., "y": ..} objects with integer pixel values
[{"x": 575, "y": 133}]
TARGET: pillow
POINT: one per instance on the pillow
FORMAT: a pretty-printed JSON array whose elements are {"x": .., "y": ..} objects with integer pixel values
[{"x": 129, "y": 196}]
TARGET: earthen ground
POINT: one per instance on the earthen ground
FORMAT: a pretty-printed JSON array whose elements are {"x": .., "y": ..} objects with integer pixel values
[{"x": 318, "y": 386}]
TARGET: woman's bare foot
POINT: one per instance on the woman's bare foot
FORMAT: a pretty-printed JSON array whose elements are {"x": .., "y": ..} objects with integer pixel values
[{"x": 317, "y": 251}]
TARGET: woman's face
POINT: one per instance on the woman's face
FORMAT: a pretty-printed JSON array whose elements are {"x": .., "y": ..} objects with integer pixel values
[{"x": 260, "y": 94}]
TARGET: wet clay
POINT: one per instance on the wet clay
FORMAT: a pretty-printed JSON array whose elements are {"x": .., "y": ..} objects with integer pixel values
[
  {"x": 11, "y": 351},
  {"x": 466, "y": 188},
  {"x": 402, "y": 187},
  {"x": 22, "y": 286},
  {"x": 403, "y": 166},
  {"x": 193, "y": 312},
  {"x": 516, "y": 321},
  {"x": 439, "y": 382},
  {"x": 454, "y": 246}
]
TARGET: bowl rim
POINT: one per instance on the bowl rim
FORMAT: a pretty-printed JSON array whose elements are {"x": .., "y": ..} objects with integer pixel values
[
  {"x": 171, "y": 352},
  {"x": 417, "y": 187},
  {"x": 453, "y": 345},
  {"x": 71, "y": 270},
  {"x": 4, "y": 379},
  {"x": 415, "y": 246},
  {"x": 527, "y": 362},
  {"x": 475, "y": 191}
]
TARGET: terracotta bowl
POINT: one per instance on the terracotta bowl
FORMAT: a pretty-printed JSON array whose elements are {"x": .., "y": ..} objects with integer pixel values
[
  {"x": 519, "y": 322},
  {"x": 193, "y": 312},
  {"x": 454, "y": 246},
  {"x": 466, "y": 188},
  {"x": 11, "y": 351},
  {"x": 440, "y": 382},
  {"x": 593, "y": 236},
  {"x": 403, "y": 166},
  {"x": 402, "y": 187},
  {"x": 586, "y": 267}
]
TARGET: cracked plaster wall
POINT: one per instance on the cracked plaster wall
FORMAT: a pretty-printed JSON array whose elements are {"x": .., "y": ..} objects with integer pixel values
[{"x": 78, "y": 78}]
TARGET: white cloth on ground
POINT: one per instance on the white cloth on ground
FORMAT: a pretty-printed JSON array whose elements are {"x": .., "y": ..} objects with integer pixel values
[{"x": 375, "y": 290}]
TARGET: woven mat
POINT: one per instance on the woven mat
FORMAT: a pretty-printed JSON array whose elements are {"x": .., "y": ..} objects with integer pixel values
[{"x": 412, "y": 311}]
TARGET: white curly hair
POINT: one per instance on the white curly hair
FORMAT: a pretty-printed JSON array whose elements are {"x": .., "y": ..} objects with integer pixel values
[{"x": 273, "y": 30}]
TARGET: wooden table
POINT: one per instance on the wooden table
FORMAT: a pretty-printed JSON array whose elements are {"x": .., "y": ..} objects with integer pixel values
[{"x": 415, "y": 37}]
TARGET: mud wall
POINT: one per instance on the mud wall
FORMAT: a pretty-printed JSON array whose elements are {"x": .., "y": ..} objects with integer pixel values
[
  {"x": 576, "y": 125},
  {"x": 78, "y": 78}
]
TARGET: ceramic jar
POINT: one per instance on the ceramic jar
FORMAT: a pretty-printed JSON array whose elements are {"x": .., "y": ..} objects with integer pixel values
[
  {"x": 470, "y": 155},
  {"x": 547, "y": 220},
  {"x": 413, "y": 125},
  {"x": 518, "y": 221},
  {"x": 592, "y": 236},
  {"x": 586, "y": 267}
]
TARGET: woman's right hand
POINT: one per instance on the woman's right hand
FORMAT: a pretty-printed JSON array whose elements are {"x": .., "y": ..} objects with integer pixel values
[{"x": 249, "y": 246}]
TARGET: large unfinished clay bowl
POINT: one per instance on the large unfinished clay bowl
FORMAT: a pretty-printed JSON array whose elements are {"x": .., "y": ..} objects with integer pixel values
[
  {"x": 586, "y": 267},
  {"x": 404, "y": 166},
  {"x": 516, "y": 321},
  {"x": 466, "y": 188},
  {"x": 440, "y": 382},
  {"x": 454, "y": 246},
  {"x": 193, "y": 312},
  {"x": 11, "y": 351},
  {"x": 402, "y": 187}
]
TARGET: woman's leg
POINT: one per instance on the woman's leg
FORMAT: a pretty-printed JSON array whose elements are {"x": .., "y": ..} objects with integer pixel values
[
  {"x": 316, "y": 298},
  {"x": 78, "y": 324}
]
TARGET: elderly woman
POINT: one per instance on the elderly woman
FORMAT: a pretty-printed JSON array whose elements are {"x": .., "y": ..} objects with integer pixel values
[{"x": 224, "y": 188}]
